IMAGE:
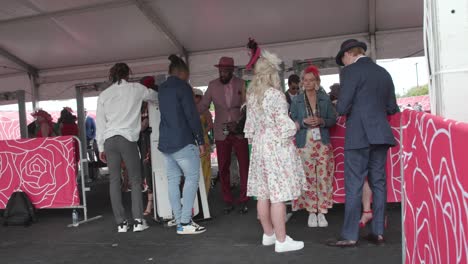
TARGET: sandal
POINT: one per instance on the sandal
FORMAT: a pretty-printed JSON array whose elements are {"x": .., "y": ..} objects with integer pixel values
[{"x": 149, "y": 205}]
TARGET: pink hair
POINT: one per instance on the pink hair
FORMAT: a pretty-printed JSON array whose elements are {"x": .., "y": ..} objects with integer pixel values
[{"x": 314, "y": 70}]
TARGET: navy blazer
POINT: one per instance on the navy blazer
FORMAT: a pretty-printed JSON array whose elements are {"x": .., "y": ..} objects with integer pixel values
[
  {"x": 367, "y": 96},
  {"x": 180, "y": 122},
  {"x": 299, "y": 113}
]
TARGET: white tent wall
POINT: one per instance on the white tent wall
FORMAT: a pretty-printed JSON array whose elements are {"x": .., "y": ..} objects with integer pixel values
[{"x": 446, "y": 36}]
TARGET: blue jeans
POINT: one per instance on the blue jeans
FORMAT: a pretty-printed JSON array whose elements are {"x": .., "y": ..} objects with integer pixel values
[{"x": 183, "y": 162}]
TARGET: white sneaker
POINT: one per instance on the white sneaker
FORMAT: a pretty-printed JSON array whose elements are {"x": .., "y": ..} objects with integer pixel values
[
  {"x": 190, "y": 229},
  {"x": 268, "y": 240},
  {"x": 171, "y": 223},
  {"x": 322, "y": 221},
  {"x": 288, "y": 245},
  {"x": 312, "y": 222},
  {"x": 140, "y": 225},
  {"x": 123, "y": 227}
]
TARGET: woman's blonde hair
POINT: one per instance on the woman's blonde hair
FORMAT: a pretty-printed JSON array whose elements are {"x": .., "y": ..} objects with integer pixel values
[{"x": 266, "y": 76}]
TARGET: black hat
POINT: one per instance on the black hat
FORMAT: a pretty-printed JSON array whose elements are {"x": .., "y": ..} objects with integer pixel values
[{"x": 347, "y": 45}]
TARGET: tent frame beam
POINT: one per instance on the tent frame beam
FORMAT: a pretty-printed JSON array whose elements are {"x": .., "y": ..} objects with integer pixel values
[
  {"x": 33, "y": 74},
  {"x": 24, "y": 65}
]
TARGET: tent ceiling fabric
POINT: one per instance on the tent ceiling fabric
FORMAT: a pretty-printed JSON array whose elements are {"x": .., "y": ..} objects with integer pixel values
[
  {"x": 84, "y": 38},
  {"x": 398, "y": 14},
  {"x": 24, "y": 8},
  {"x": 52, "y": 34},
  {"x": 210, "y": 24}
]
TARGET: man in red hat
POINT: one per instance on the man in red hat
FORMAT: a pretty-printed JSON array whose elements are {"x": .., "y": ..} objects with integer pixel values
[{"x": 228, "y": 95}]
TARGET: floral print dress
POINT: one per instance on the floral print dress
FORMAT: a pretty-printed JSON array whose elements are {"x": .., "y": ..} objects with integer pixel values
[
  {"x": 319, "y": 166},
  {"x": 275, "y": 172}
]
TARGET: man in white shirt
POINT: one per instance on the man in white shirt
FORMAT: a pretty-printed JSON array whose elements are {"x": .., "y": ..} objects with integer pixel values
[{"x": 118, "y": 123}]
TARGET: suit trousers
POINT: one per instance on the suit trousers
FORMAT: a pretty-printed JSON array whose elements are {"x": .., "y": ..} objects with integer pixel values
[
  {"x": 116, "y": 149},
  {"x": 224, "y": 149},
  {"x": 360, "y": 163}
]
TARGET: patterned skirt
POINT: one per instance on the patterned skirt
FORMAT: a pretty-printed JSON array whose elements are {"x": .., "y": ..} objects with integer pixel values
[{"x": 319, "y": 167}]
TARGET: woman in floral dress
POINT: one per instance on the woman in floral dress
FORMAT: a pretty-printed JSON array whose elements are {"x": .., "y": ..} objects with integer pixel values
[
  {"x": 276, "y": 174},
  {"x": 314, "y": 113}
]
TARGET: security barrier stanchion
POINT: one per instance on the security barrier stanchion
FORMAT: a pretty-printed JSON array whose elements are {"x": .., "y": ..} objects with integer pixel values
[{"x": 84, "y": 206}]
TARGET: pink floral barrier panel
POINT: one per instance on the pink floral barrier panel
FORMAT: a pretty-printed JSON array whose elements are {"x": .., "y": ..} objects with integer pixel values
[
  {"x": 436, "y": 189},
  {"x": 9, "y": 123},
  {"x": 337, "y": 134},
  {"x": 43, "y": 168}
]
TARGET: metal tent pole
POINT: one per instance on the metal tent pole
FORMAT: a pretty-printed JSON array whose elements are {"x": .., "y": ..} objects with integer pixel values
[
  {"x": 82, "y": 128},
  {"x": 20, "y": 96}
]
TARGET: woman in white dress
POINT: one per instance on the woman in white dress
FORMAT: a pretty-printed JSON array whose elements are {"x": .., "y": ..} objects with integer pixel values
[{"x": 276, "y": 174}]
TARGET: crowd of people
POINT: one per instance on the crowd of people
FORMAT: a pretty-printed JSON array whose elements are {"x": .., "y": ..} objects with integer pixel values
[{"x": 291, "y": 157}]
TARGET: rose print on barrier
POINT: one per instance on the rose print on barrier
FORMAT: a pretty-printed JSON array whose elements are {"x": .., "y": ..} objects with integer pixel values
[
  {"x": 43, "y": 168},
  {"x": 436, "y": 189},
  {"x": 337, "y": 135}
]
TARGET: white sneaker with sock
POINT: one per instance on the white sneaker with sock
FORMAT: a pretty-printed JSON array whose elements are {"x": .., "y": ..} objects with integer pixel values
[
  {"x": 140, "y": 225},
  {"x": 312, "y": 222},
  {"x": 123, "y": 227},
  {"x": 322, "y": 221},
  {"x": 268, "y": 240},
  {"x": 288, "y": 245}
]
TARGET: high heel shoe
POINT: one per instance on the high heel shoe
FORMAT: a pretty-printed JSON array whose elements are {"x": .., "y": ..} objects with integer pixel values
[
  {"x": 149, "y": 206},
  {"x": 363, "y": 224}
]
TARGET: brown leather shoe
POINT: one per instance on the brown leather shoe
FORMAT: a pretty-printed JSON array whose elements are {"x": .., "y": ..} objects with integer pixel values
[
  {"x": 343, "y": 243},
  {"x": 376, "y": 240}
]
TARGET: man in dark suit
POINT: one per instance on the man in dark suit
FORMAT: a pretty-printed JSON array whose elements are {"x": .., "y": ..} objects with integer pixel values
[
  {"x": 293, "y": 88},
  {"x": 367, "y": 96}
]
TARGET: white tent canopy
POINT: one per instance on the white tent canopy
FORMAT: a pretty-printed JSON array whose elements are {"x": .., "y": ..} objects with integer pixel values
[{"x": 66, "y": 42}]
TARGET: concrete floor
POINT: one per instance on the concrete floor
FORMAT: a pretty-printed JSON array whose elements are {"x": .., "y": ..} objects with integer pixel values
[{"x": 230, "y": 238}]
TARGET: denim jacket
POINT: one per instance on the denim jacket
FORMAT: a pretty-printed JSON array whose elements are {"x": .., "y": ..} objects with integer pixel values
[{"x": 326, "y": 111}]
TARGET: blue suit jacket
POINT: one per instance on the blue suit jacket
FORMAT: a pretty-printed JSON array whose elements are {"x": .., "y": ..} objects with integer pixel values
[{"x": 367, "y": 96}]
